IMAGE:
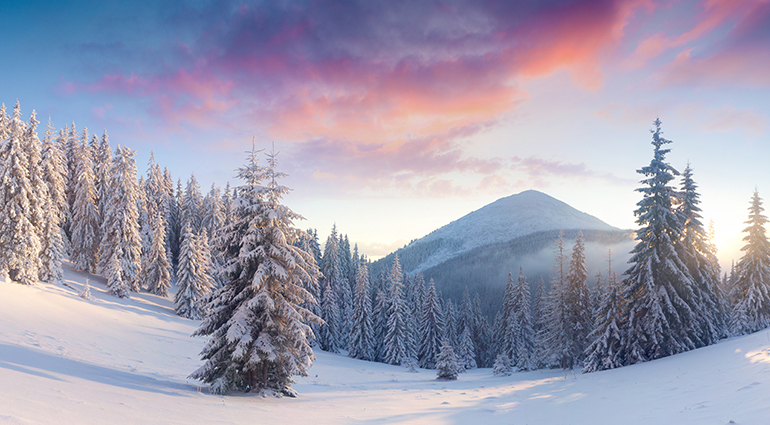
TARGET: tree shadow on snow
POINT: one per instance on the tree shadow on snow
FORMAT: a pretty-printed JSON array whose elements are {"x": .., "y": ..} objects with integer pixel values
[{"x": 45, "y": 365}]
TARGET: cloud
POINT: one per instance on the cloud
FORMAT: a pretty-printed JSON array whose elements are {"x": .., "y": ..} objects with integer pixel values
[
  {"x": 738, "y": 59},
  {"x": 368, "y": 71},
  {"x": 542, "y": 170}
]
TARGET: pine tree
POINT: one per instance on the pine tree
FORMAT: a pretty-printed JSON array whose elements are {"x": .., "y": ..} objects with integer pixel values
[
  {"x": 502, "y": 366},
  {"x": 555, "y": 341},
  {"x": 85, "y": 217},
  {"x": 700, "y": 257},
  {"x": 158, "y": 269},
  {"x": 120, "y": 227},
  {"x": 578, "y": 313},
  {"x": 116, "y": 286},
  {"x": 52, "y": 250},
  {"x": 191, "y": 204},
  {"x": 606, "y": 350},
  {"x": 329, "y": 333},
  {"x": 86, "y": 294},
  {"x": 396, "y": 338},
  {"x": 447, "y": 366},
  {"x": 431, "y": 328},
  {"x": 380, "y": 313},
  {"x": 658, "y": 289},
  {"x": 20, "y": 210},
  {"x": 467, "y": 352},
  {"x": 450, "y": 324},
  {"x": 521, "y": 324},
  {"x": 332, "y": 270},
  {"x": 752, "y": 285},
  {"x": 193, "y": 276},
  {"x": 361, "y": 332},
  {"x": 540, "y": 325},
  {"x": 258, "y": 327}
]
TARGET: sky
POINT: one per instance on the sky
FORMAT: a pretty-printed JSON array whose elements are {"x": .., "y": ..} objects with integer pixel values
[{"x": 393, "y": 118}]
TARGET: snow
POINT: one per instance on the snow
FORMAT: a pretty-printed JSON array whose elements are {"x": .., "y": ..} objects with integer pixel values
[
  {"x": 506, "y": 219},
  {"x": 68, "y": 360}
]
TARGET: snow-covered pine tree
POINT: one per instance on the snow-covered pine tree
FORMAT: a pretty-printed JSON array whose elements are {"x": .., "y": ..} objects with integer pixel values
[
  {"x": 259, "y": 329},
  {"x": 555, "y": 340},
  {"x": 85, "y": 216},
  {"x": 20, "y": 211},
  {"x": 53, "y": 168},
  {"x": 158, "y": 272},
  {"x": 699, "y": 256},
  {"x": 36, "y": 211},
  {"x": 361, "y": 332},
  {"x": 396, "y": 339},
  {"x": 539, "y": 325},
  {"x": 102, "y": 173},
  {"x": 467, "y": 351},
  {"x": 86, "y": 294},
  {"x": 447, "y": 365},
  {"x": 431, "y": 328},
  {"x": 752, "y": 284},
  {"x": 508, "y": 339},
  {"x": 116, "y": 286},
  {"x": 120, "y": 227},
  {"x": 502, "y": 366},
  {"x": 190, "y": 277},
  {"x": 481, "y": 335},
  {"x": 450, "y": 324},
  {"x": 578, "y": 313},
  {"x": 213, "y": 211},
  {"x": 658, "y": 288},
  {"x": 521, "y": 324},
  {"x": 192, "y": 203},
  {"x": 380, "y": 326},
  {"x": 606, "y": 350},
  {"x": 331, "y": 268},
  {"x": 329, "y": 333}
]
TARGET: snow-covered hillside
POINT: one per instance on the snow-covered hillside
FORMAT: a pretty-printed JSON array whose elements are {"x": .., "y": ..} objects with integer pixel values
[
  {"x": 108, "y": 360},
  {"x": 504, "y": 220}
]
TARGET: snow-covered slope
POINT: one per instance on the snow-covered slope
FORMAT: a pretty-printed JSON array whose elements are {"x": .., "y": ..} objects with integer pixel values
[
  {"x": 513, "y": 216},
  {"x": 504, "y": 220},
  {"x": 65, "y": 360}
]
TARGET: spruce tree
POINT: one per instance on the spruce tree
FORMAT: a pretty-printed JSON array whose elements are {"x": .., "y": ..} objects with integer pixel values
[
  {"x": 555, "y": 341},
  {"x": 521, "y": 324},
  {"x": 116, "y": 286},
  {"x": 447, "y": 365},
  {"x": 752, "y": 284},
  {"x": 396, "y": 339},
  {"x": 467, "y": 351},
  {"x": 158, "y": 268},
  {"x": 431, "y": 328},
  {"x": 362, "y": 344},
  {"x": 193, "y": 276},
  {"x": 52, "y": 251},
  {"x": 658, "y": 288},
  {"x": 329, "y": 333},
  {"x": 540, "y": 325},
  {"x": 606, "y": 350},
  {"x": 700, "y": 257},
  {"x": 258, "y": 327},
  {"x": 20, "y": 209},
  {"x": 380, "y": 313},
  {"x": 578, "y": 313},
  {"x": 120, "y": 227},
  {"x": 502, "y": 366},
  {"x": 85, "y": 216}
]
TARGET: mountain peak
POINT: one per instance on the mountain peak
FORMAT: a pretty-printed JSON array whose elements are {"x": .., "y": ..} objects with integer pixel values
[{"x": 506, "y": 219}]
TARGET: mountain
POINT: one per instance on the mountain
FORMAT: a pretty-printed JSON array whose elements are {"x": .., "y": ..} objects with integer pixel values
[{"x": 478, "y": 249}]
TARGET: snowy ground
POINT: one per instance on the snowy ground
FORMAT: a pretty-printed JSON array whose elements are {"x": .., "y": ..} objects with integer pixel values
[{"x": 67, "y": 360}]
